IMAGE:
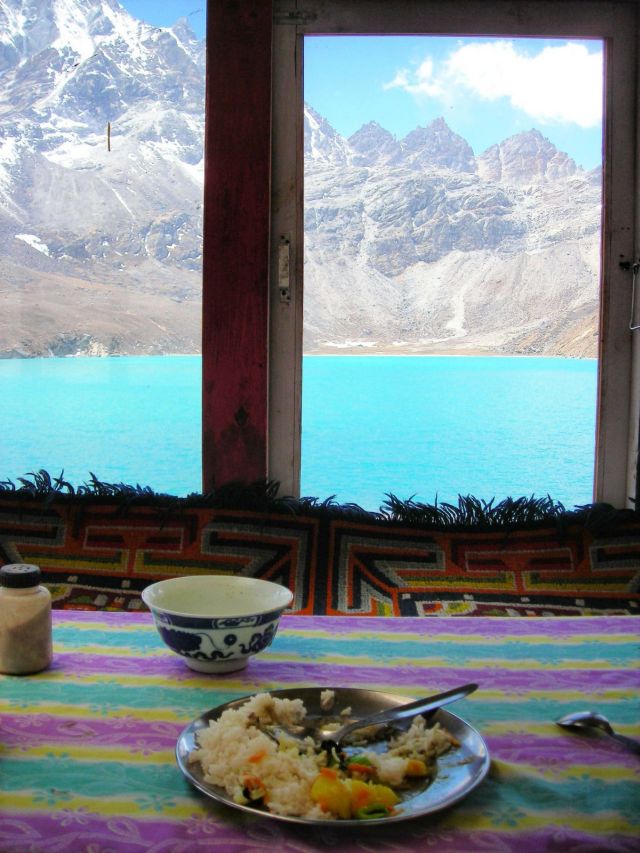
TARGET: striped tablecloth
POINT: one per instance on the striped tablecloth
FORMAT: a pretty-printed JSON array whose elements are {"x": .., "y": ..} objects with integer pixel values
[{"x": 87, "y": 747}]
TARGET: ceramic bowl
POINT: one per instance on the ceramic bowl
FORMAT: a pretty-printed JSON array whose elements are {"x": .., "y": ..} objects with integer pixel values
[{"x": 216, "y": 622}]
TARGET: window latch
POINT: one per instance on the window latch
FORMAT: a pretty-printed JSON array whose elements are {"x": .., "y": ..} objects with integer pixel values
[
  {"x": 635, "y": 268},
  {"x": 284, "y": 269}
]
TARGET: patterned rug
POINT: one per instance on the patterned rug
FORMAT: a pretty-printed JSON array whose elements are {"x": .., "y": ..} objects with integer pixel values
[
  {"x": 96, "y": 593},
  {"x": 100, "y": 553}
]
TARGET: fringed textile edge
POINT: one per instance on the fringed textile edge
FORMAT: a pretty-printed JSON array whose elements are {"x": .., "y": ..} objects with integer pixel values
[{"x": 470, "y": 513}]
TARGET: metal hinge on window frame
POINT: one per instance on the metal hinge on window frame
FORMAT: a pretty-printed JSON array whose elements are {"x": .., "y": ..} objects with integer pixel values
[{"x": 284, "y": 269}]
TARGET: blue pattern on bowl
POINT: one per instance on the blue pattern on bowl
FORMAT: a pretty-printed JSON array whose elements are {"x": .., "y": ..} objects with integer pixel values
[
  {"x": 200, "y": 645},
  {"x": 178, "y": 621}
]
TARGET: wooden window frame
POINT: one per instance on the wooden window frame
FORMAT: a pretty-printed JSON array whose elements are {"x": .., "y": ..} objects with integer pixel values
[
  {"x": 252, "y": 337},
  {"x": 235, "y": 264}
]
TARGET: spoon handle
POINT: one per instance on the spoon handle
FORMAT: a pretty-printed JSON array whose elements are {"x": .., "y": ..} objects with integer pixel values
[
  {"x": 412, "y": 709},
  {"x": 630, "y": 743}
]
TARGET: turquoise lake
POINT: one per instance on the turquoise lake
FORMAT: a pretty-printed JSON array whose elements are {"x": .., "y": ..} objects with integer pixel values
[{"x": 415, "y": 426}]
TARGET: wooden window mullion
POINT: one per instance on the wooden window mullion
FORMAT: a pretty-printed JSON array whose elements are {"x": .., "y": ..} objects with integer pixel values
[{"x": 237, "y": 198}]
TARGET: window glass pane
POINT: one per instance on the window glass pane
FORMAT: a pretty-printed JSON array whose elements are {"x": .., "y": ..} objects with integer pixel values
[
  {"x": 452, "y": 217},
  {"x": 101, "y": 175}
]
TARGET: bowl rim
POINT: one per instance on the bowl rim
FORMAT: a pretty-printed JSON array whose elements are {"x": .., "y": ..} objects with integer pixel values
[{"x": 182, "y": 579}]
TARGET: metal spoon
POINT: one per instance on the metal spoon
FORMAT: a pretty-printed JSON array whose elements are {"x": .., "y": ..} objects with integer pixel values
[
  {"x": 333, "y": 739},
  {"x": 592, "y": 720},
  {"x": 330, "y": 738}
]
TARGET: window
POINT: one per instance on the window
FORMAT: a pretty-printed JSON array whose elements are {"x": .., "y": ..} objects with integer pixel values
[
  {"x": 101, "y": 165},
  {"x": 615, "y": 23},
  {"x": 452, "y": 212}
]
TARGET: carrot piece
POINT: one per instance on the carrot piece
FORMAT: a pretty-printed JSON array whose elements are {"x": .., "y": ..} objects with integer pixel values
[{"x": 258, "y": 756}]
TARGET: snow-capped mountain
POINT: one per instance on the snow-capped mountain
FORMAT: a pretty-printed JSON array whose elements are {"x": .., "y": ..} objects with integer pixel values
[
  {"x": 101, "y": 141},
  {"x": 411, "y": 243}
]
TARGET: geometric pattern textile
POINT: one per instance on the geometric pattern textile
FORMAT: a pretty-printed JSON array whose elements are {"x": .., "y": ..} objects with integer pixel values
[
  {"x": 101, "y": 556},
  {"x": 374, "y": 571}
]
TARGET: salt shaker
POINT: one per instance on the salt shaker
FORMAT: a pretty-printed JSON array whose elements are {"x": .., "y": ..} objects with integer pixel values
[{"x": 25, "y": 620}]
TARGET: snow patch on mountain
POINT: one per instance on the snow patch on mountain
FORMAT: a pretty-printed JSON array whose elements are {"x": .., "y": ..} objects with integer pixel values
[{"x": 35, "y": 242}]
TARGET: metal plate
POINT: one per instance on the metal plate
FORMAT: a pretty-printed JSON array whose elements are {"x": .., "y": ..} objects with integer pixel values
[{"x": 459, "y": 771}]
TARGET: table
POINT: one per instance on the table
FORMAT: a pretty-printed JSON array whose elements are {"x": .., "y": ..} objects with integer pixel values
[{"x": 87, "y": 747}]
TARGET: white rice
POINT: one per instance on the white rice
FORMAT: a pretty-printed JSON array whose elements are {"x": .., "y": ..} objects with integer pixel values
[
  {"x": 418, "y": 742},
  {"x": 327, "y": 698},
  {"x": 228, "y": 745},
  {"x": 233, "y": 748}
]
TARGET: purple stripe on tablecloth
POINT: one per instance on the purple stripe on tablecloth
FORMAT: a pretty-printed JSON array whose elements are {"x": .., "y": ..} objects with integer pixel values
[
  {"x": 215, "y": 828},
  {"x": 137, "y": 735},
  {"x": 141, "y": 736},
  {"x": 544, "y": 752},
  {"x": 306, "y": 672},
  {"x": 166, "y": 666},
  {"x": 490, "y": 626},
  {"x": 508, "y": 681},
  {"x": 89, "y": 616},
  {"x": 491, "y": 678}
]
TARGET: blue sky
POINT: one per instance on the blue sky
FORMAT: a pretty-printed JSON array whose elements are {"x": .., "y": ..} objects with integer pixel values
[
  {"x": 164, "y": 13},
  {"x": 486, "y": 89}
]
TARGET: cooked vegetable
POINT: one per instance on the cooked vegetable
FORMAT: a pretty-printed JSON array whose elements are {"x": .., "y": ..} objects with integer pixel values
[
  {"x": 372, "y": 812},
  {"x": 359, "y": 766},
  {"x": 385, "y": 795},
  {"x": 331, "y": 793},
  {"x": 416, "y": 767},
  {"x": 360, "y": 794},
  {"x": 347, "y": 798},
  {"x": 362, "y": 760},
  {"x": 253, "y": 789}
]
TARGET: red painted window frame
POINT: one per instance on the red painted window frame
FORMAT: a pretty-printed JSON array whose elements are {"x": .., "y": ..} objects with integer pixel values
[{"x": 237, "y": 201}]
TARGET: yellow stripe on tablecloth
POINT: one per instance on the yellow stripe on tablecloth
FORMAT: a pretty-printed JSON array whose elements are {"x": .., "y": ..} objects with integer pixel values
[
  {"x": 471, "y": 639},
  {"x": 118, "y": 806},
  {"x": 85, "y": 712},
  {"x": 137, "y": 679},
  {"x": 534, "y": 728},
  {"x": 557, "y": 694},
  {"x": 503, "y": 771},
  {"x": 463, "y": 817},
  {"x": 596, "y": 824},
  {"x": 60, "y": 647},
  {"x": 95, "y": 752},
  {"x": 133, "y": 627}
]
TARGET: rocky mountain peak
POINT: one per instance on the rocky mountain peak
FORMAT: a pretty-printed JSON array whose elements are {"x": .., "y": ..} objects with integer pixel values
[
  {"x": 322, "y": 143},
  {"x": 438, "y": 145},
  {"x": 524, "y": 158},
  {"x": 372, "y": 144}
]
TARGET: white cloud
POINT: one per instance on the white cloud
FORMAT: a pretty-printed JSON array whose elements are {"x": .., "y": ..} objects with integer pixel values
[
  {"x": 558, "y": 84},
  {"x": 423, "y": 81}
]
